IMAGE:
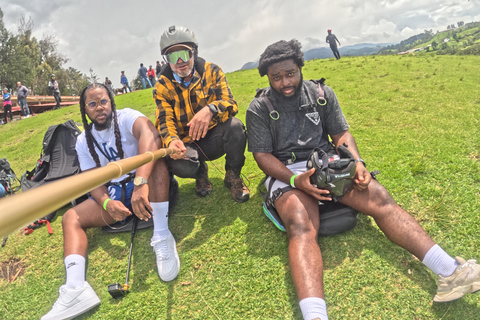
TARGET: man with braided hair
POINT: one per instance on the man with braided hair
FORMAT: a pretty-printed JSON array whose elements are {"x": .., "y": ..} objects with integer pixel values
[
  {"x": 196, "y": 114},
  {"x": 110, "y": 136},
  {"x": 280, "y": 148}
]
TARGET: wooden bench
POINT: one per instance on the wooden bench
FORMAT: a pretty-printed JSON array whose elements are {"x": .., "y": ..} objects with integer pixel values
[{"x": 37, "y": 108}]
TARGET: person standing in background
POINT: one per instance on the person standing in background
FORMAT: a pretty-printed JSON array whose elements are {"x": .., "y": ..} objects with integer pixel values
[
  {"x": 124, "y": 82},
  {"x": 53, "y": 86},
  {"x": 332, "y": 41},
  {"x": 22, "y": 94},
  {"x": 7, "y": 105},
  {"x": 151, "y": 75},
  {"x": 142, "y": 72}
]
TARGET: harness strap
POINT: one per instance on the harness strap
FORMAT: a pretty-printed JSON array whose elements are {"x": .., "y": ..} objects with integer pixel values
[
  {"x": 321, "y": 94},
  {"x": 274, "y": 115},
  {"x": 98, "y": 147},
  {"x": 272, "y": 112},
  {"x": 270, "y": 200},
  {"x": 124, "y": 190}
]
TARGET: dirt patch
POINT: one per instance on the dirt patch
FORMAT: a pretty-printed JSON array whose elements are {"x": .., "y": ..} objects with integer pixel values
[
  {"x": 474, "y": 156},
  {"x": 11, "y": 269}
]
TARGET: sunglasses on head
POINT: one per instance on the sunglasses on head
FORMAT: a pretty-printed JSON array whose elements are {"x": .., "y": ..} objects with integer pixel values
[
  {"x": 173, "y": 57},
  {"x": 95, "y": 103}
]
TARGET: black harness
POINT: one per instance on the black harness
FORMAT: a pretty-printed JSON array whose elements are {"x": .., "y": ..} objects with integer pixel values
[
  {"x": 274, "y": 115},
  {"x": 321, "y": 101}
]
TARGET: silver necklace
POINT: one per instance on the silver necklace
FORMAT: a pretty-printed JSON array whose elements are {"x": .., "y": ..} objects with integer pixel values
[{"x": 107, "y": 138}]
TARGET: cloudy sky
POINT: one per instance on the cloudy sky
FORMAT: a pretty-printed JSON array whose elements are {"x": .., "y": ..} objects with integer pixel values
[{"x": 113, "y": 35}]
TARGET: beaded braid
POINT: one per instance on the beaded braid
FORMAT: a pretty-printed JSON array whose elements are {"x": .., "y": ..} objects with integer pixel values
[{"x": 88, "y": 126}]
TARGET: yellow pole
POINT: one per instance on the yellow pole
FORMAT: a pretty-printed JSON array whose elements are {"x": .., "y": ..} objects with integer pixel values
[{"x": 23, "y": 208}]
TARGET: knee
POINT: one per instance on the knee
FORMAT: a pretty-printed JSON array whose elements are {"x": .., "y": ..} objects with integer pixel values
[
  {"x": 69, "y": 219},
  {"x": 381, "y": 196},
  {"x": 237, "y": 130},
  {"x": 183, "y": 168},
  {"x": 300, "y": 226}
]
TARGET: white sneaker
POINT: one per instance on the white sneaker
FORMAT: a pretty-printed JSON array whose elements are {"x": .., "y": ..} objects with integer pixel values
[
  {"x": 168, "y": 263},
  {"x": 73, "y": 302},
  {"x": 465, "y": 279}
]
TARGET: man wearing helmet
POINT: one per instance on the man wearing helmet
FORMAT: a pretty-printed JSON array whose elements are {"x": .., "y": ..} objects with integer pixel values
[
  {"x": 281, "y": 147},
  {"x": 53, "y": 86},
  {"x": 196, "y": 114}
]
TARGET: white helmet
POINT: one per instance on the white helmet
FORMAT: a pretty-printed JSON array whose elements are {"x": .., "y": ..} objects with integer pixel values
[{"x": 177, "y": 35}]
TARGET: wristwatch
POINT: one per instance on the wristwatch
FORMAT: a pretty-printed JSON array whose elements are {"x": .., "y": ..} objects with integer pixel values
[
  {"x": 361, "y": 160},
  {"x": 213, "y": 110},
  {"x": 138, "y": 181}
]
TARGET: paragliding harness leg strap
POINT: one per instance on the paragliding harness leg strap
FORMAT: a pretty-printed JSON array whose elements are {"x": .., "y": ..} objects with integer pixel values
[{"x": 268, "y": 204}]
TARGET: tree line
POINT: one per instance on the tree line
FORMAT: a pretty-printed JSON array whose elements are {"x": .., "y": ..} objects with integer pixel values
[{"x": 32, "y": 61}]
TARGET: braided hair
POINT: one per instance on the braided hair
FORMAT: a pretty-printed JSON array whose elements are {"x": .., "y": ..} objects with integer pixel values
[
  {"x": 88, "y": 126},
  {"x": 279, "y": 51}
]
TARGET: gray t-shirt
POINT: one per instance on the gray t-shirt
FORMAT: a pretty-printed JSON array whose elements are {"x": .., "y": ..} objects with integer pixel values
[
  {"x": 299, "y": 128},
  {"x": 142, "y": 72}
]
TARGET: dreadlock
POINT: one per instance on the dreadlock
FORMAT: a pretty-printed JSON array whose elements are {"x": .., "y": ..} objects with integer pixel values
[
  {"x": 279, "y": 51},
  {"x": 88, "y": 126}
]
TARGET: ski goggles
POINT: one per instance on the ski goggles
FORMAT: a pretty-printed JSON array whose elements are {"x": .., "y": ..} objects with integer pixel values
[{"x": 173, "y": 57}]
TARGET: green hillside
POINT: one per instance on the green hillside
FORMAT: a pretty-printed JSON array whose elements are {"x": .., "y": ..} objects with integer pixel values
[
  {"x": 464, "y": 40},
  {"x": 415, "y": 119}
]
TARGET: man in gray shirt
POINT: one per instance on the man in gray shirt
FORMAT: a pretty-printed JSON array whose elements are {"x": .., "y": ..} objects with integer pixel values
[
  {"x": 280, "y": 143},
  {"x": 22, "y": 93},
  {"x": 332, "y": 41},
  {"x": 142, "y": 72}
]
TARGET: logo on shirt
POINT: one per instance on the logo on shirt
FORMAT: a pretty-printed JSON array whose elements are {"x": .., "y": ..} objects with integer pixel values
[
  {"x": 314, "y": 117},
  {"x": 111, "y": 153}
]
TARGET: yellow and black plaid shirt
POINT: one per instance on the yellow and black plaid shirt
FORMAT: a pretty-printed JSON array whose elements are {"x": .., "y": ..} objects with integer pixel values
[{"x": 176, "y": 104}]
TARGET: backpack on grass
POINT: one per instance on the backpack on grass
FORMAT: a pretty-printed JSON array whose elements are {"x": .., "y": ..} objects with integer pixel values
[{"x": 58, "y": 159}]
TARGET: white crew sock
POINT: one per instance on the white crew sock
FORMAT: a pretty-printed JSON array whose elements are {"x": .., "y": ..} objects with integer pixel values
[
  {"x": 313, "y": 307},
  {"x": 160, "y": 219},
  {"x": 75, "y": 266},
  {"x": 440, "y": 262}
]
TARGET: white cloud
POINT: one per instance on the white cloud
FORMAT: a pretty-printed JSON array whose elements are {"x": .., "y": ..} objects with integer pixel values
[{"x": 115, "y": 35}]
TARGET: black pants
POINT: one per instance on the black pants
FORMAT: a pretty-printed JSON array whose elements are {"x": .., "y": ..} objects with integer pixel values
[
  {"x": 56, "y": 95},
  {"x": 7, "y": 109},
  {"x": 228, "y": 138},
  {"x": 335, "y": 52}
]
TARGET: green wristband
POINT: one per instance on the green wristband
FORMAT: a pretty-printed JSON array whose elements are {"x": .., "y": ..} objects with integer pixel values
[
  {"x": 105, "y": 203},
  {"x": 292, "y": 180}
]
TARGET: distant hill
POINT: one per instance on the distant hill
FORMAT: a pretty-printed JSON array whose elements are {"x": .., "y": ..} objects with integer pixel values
[
  {"x": 361, "y": 49},
  {"x": 463, "y": 40}
]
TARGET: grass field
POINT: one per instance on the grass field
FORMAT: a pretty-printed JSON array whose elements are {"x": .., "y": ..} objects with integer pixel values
[{"x": 415, "y": 119}]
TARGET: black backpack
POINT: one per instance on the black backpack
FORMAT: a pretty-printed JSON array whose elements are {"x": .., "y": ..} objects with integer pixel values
[{"x": 58, "y": 159}]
